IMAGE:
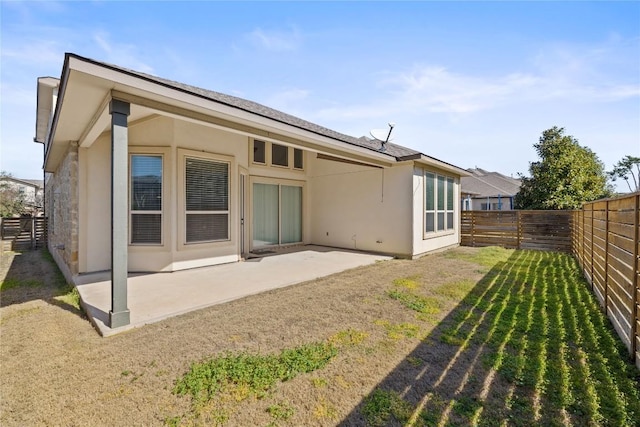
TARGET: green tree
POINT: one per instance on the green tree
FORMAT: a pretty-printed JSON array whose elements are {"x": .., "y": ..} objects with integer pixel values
[
  {"x": 625, "y": 169},
  {"x": 12, "y": 200},
  {"x": 566, "y": 176}
]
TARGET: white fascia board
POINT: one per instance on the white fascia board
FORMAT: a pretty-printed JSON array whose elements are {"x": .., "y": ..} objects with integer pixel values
[
  {"x": 44, "y": 106},
  {"x": 186, "y": 100},
  {"x": 430, "y": 161},
  {"x": 61, "y": 88}
]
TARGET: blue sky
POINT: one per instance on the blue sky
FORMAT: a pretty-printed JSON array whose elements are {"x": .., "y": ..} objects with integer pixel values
[{"x": 470, "y": 83}]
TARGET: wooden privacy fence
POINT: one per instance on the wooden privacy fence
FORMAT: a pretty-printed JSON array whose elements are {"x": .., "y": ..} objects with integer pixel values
[
  {"x": 605, "y": 241},
  {"x": 603, "y": 237},
  {"x": 24, "y": 233},
  {"x": 544, "y": 230}
]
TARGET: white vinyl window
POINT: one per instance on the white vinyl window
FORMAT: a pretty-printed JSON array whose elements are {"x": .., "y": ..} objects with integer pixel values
[
  {"x": 439, "y": 203},
  {"x": 206, "y": 200},
  {"x": 145, "y": 205}
]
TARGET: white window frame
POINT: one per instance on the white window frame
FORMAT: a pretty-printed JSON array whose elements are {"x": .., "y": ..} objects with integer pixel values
[
  {"x": 160, "y": 212},
  {"x": 448, "y": 228},
  {"x": 183, "y": 155},
  {"x": 279, "y": 182},
  {"x": 266, "y": 150},
  {"x": 268, "y": 157}
]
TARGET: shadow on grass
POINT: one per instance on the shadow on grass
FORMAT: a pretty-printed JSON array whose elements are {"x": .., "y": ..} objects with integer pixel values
[
  {"x": 34, "y": 275},
  {"x": 527, "y": 346}
]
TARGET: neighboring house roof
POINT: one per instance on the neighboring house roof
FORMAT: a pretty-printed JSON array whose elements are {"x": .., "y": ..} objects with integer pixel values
[
  {"x": 483, "y": 183},
  {"x": 393, "y": 151},
  {"x": 38, "y": 183}
]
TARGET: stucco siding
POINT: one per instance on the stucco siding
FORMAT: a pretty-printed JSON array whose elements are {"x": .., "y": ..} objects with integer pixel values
[
  {"x": 172, "y": 139},
  {"x": 361, "y": 207}
]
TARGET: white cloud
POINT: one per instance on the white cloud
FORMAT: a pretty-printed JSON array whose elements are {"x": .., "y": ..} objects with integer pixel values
[
  {"x": 34, "y": 51},
  {"x": 287, "y": 99},
  {"x": 276, "y": 41},
  {"x": 125, "y": 55},
  {"x": 561, "y": 75},
  {"x": 18, "y": 95}
]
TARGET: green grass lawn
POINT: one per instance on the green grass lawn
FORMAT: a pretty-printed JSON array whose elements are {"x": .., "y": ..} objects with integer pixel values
[
  {"x": 532, "y": 323},
  {"x": 527, "y": 345}
]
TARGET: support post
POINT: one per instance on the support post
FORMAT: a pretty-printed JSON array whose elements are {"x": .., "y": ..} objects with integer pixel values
[{"x": 119, "y": 313}]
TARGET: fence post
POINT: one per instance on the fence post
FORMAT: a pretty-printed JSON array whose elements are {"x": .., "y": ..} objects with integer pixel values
[
  {"x": 634, "y": 288},
  {"x": 33, "y": 232},
  {"x": 472, "y": 220},
  {"x": 518, "y": 228},
  {"x": 606, "y": 260}
]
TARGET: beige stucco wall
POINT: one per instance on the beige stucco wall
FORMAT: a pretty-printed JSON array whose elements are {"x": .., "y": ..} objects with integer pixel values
[
  {"x": 344, "y": 205},
  {"x": 361, "y": 207},
  {"x": 62, "y": 210},
  {"x": 173, "y": 139},
  {"x": 423, "y": 243}
]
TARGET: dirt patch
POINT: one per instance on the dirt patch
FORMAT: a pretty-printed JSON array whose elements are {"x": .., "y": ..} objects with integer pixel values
[{"x": 56, "y": 370}]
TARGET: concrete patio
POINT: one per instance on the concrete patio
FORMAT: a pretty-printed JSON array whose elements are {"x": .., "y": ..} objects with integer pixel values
[{"x": 157, "y": 296}]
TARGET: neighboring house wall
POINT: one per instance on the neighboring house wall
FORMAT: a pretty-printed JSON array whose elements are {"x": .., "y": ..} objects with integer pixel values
[
  {"x": 485, "y": 190},
  {"x": 31, "y": 191},
  {"x": 492, "y": 203},
  {"x": 62, "y": 201}
]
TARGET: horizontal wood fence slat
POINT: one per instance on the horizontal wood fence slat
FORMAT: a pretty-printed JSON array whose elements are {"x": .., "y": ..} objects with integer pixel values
[
  {"x": 24, "y": 233},
  {"x": 543, "y": 230},
  {"x": 603, "y": 237}
]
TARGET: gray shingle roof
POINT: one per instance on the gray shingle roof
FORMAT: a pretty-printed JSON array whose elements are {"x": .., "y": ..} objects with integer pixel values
[
  {"x": 393, "y": 150},
  {"x": 482, "y": 183}
]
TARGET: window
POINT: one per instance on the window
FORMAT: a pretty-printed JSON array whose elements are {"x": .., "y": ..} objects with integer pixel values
[
  {"x": 259, "y": 152},
  {"x": 279, "y": 155},
  {"x": 272, "y": 154},
  {"x": 430, "y": 204},
  {"x": 146, "y": 199},
  {"x": 206, "y": 200},
  {"x": 297, "y": 159},
  {"x": 439, "y": 203},
  {"x": 450, "y": 203}
]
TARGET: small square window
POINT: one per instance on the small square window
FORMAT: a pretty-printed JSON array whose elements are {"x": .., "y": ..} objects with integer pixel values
[
  {"x": 259, "y": 152},
  {"x": 297, "y": 159},
  {"x": 279, "y": 155}
]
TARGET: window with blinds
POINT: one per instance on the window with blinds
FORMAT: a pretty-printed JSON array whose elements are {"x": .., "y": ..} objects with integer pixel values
[
  {"x": 439, "y": 203},
  {"x": 206, "y": 200},
  {"x": 145, "y": 205}
]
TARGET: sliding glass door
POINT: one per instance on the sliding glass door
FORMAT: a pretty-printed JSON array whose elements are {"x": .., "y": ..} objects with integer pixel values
[{"x": 277, "y": 214}]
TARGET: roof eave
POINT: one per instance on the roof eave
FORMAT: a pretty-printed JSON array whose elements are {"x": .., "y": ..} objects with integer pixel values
[
  {"x": 170, "y": 95},
  {"x": 240, "y": 112},
  {"x": 423, "y": 159}
]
